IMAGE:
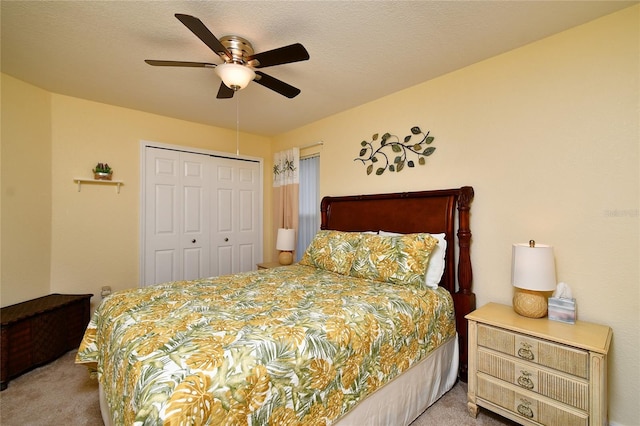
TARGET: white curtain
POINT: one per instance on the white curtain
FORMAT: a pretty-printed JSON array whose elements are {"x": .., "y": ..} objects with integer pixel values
[
  {"x": 309, "y": 207},
  {"x": 286, "y": 169}
]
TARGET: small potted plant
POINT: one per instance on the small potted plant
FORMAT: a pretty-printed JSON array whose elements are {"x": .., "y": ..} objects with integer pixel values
[{"x": 102, "y": 172}]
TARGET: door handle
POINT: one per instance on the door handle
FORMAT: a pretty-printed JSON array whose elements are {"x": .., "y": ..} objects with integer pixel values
[
  {"x": 226, "y": 239},
  {"x": 193, "y": 241}
]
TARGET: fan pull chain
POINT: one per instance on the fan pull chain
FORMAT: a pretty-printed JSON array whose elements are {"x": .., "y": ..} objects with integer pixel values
[{"x": 237, "y": 125}]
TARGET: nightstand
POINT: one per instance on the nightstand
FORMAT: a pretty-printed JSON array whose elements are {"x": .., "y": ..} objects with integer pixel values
[
  {"x": 537, "y": 371},
  {"x": 268, "y": 265}
]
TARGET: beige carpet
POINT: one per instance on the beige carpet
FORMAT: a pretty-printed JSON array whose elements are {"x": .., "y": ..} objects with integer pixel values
[{"x": 61, "y": 393}]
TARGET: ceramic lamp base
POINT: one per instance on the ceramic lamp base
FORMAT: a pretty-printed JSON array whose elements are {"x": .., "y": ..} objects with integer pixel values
[
  {"x": 285, "y": 258},
  {"x": 528, "y": 303}
]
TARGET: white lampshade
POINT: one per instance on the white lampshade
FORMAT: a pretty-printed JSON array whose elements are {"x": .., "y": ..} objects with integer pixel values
[
  {"x": 533, "y": 267},
  {"x": 286, "y": 240},
  {"x": 235, "y": 76}
]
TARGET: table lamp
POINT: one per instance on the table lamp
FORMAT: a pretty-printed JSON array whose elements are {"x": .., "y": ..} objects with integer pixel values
[
  {"x": 532, "y": 274},
  {"x": 286, "y": 243}
]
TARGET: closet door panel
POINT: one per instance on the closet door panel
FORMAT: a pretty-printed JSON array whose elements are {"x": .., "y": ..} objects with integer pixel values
[
  {"x": 236, "y": 214},
  {"x": 224, "y": 209},
  {"x": 224, "y": 260},
  {"x": 247, "y": 256},
  {"x": 165, "y": 215},
  {"x": 193, "y": 220},
  {"x": 164, "y": 266},
  {"x": 195, "y": 238},
  {"x": 176, "y": 216},
  {"x": 249, "y": 215},
  {"x": 222, "y": 237},
  {"x": 192, "y": 261},
  {"x": 246, "y": 215},
  {"x": 162, "y": 227}
]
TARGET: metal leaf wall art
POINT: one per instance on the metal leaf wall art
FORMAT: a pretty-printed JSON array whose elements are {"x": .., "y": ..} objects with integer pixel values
[{"x": 392, "y": 154}]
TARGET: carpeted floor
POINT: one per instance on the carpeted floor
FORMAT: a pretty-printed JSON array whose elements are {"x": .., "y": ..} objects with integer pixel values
[{"x": 61, "y": 393}]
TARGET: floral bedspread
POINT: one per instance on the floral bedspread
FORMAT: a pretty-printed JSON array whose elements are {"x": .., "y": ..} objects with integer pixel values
[{"x": 284, "y": 346}]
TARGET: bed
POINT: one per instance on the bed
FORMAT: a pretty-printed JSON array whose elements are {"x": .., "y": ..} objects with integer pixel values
[{"x": 353, "y": 334}]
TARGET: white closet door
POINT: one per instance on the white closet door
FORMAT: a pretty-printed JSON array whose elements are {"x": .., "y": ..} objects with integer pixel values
[
  {"x": 201, "y": 214},
  {"x": 195, "y": 241},
  {"x": 235, "y": 216},
  {"x": 176, "y": 216}
]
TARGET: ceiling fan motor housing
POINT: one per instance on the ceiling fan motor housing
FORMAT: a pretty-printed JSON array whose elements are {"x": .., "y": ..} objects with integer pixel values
[{"x": 239, "y": 48}]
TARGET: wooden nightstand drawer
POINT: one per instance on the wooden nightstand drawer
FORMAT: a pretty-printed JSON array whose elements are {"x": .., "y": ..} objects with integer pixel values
[
  {"x": 538, "y": 351},
  {"x": 528, "y": 405},
  {"x": 528, "y": 376}
]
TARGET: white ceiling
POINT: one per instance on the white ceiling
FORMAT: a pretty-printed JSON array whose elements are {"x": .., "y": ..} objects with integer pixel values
[{"x": 360, "y": 50}]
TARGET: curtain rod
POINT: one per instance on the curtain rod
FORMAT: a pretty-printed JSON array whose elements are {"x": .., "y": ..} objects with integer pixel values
[{"x": 311, "y": 145}]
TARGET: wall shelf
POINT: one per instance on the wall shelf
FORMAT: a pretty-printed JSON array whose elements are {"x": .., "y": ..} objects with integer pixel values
[{"x": 80, "y": 181}]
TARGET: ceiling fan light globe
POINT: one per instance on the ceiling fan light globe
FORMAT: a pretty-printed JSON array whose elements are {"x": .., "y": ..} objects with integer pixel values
[{"x": 235, "y": 76}]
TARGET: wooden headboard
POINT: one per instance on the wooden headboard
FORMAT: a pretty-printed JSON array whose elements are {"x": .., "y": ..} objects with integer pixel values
[{"x": 436, "y": 211}]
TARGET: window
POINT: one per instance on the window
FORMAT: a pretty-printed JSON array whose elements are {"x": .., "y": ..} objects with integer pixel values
[{"x": 309, "y": 199}]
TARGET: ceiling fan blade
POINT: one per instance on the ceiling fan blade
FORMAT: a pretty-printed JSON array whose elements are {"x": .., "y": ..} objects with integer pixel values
[
  {"x": 224, "y": 92},
  {"x": 178, "y": 64},
  {"x": 283, "y": 55},
  {"x": 202, "y": 32},
  {"x": 276, "y": 85}
]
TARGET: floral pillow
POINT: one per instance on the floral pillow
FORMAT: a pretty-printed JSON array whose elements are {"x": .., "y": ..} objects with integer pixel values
[
  {"x": 332, "y": 250},
  {"x": 401, "y": 259},
  {"x": 435, "y": 270}
]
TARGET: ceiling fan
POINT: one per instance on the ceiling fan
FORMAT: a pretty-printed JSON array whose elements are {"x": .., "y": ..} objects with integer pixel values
[{"x": 240, "y": 61}]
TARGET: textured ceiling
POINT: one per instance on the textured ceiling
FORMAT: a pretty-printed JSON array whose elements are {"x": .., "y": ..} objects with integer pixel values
[{"x": 360, "y": 50}]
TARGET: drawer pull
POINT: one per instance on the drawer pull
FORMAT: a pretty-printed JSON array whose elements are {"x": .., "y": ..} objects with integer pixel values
[
  {"x": 525, "y": 352},
  {"x": 524, "y": 409},
  {"x": 525, "y": 380}
]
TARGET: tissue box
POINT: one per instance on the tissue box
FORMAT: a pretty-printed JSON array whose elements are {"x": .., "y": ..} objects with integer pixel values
[{"x": 563, "y": 310}]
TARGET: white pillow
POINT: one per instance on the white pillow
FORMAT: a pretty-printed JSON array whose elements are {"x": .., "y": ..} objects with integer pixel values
[{"x": 435, "y": 269}]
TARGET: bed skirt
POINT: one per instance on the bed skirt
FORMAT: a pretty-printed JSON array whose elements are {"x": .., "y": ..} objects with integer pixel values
[{"x": 400, "y": 401}]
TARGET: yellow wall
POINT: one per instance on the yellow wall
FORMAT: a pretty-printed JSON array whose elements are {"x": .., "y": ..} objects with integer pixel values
[
  {"x": 548, "y": 136},
  {"x": 26, "y": 191}
]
